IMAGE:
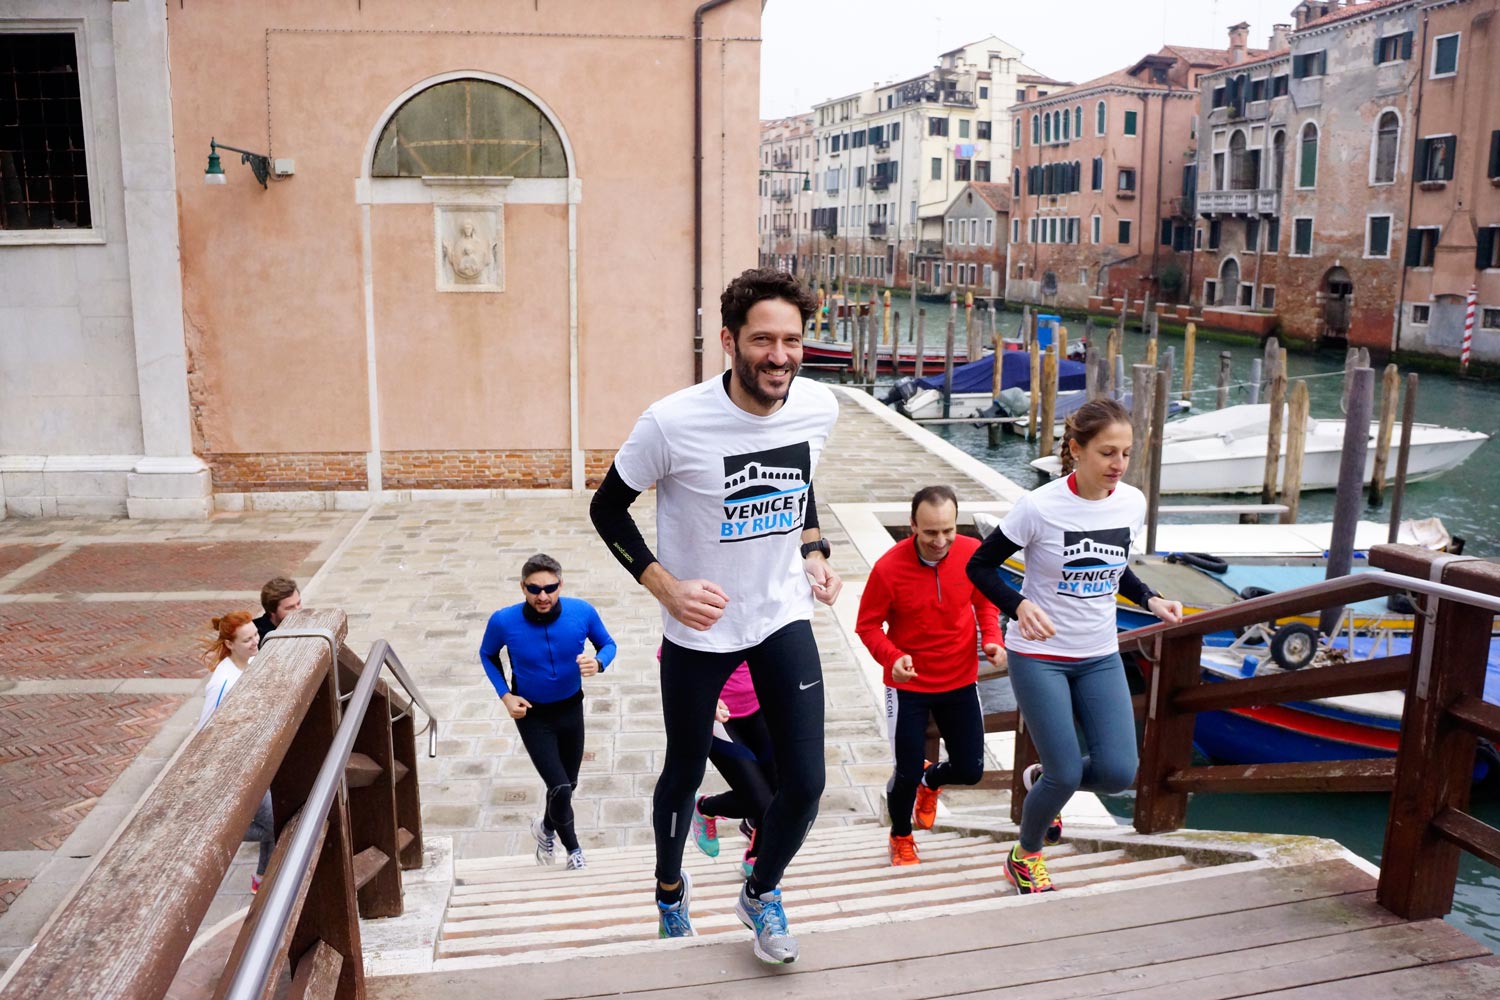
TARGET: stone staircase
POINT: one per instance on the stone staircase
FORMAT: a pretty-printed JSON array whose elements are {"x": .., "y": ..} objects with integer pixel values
[{"x": 507, "y": 910}]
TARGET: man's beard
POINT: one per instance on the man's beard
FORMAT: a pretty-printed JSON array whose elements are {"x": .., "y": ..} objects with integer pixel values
[{"x": 746, "y": 375}]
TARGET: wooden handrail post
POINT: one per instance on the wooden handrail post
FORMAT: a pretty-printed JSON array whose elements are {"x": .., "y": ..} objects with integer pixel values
[
  {"x": 1435, "y": 758},
  {"x": 372, "y": 810},
  {"x": 1169, "y": 735},
  {"x": 408, "y": 797}
]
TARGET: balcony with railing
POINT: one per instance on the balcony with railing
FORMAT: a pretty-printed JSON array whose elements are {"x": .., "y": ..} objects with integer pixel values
[
  {"x": 879, "y": 182},
  {"x": 877, "y": 228},
  {"x": 1261, "y": 202},
  {"x": 919, "y": 91},
  {"x": 781, "y": 194}
]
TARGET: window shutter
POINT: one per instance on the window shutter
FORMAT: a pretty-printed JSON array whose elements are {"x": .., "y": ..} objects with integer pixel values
[
  {"x": 1451, "y": 143},
  {"x": 1486, "y": 238},
  {"x": 1423, "y": 149},
  {"x": 1495, "y": 153},
  {"x": 1406, "y": 45},
  {"x": 1379, "y": 49},
  {"x": 1413, "y": 248}
]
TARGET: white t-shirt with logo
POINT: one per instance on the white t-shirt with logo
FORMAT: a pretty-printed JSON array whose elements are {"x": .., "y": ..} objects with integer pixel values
[
  {"x": 731, "y": 493},
  {"x": 1076, "y": 550}
]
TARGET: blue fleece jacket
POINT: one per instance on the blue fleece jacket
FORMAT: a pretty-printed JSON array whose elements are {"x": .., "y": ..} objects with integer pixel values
[{"x": 543, "y": 653}]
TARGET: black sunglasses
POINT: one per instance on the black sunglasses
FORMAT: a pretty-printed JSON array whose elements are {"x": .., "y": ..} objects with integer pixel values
[{"x": 535, "y": 588}]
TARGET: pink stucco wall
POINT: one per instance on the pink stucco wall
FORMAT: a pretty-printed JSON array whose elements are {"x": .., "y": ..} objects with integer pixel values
[{"x": 274, "y": 281}]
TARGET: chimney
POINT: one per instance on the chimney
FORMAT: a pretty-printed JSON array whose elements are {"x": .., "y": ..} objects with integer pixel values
[
  {"x": 1281, "y": 37},
  {"x": 1239, "y": 38},
  {"x": 1300, "y": 15}
]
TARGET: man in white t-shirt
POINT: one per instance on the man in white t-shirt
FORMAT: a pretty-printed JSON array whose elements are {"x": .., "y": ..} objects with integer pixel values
[{"x": 739, "y": 562}]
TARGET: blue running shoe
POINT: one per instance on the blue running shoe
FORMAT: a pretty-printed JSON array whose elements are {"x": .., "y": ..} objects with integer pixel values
[
  {"x": 674, "y": 916},
  {"x": 773, "y": 942}
]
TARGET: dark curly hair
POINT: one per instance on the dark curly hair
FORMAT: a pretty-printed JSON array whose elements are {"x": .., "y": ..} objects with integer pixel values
[
  {"x": 756, "y": 285},
  {"x": 1086, "y": 421}
]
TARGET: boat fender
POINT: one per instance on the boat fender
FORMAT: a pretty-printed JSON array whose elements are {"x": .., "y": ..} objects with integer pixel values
[
  {"x": 1294, "y": 645},
  {"x": 1200, "y": 560},
  {"x": 1252, "y": 592},
  {"x": 1401, "y": 604}
]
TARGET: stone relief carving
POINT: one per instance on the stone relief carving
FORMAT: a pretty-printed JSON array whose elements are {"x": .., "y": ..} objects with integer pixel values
[{"x": 468, "y": 252}]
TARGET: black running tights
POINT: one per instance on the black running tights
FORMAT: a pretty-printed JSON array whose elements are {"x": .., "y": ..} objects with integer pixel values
[
  {"x": 788, "y": 680},
  {"x": 748, "y": 764},
  {"x": 553, "y": 737}
]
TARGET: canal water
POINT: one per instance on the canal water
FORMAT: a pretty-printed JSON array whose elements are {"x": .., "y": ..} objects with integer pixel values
[{"x": 1467, "y": 500}]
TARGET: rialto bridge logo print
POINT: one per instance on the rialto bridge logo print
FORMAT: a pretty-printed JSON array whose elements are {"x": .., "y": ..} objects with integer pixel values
[
  {"x": 765, "y": 492},
  {"x": 1093, "y": 562}
]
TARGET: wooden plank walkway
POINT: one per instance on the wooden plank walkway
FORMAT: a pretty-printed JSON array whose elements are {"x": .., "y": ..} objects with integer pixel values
[{"x": 1311, "y": 930}]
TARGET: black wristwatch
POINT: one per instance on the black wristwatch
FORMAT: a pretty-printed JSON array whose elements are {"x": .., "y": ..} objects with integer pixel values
[{"x": 817, "y": 545}]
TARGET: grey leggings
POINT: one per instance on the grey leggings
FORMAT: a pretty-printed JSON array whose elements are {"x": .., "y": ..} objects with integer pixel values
[
  {"x": 263, "y": 830},
  {"x": 1049, "y": 694}
]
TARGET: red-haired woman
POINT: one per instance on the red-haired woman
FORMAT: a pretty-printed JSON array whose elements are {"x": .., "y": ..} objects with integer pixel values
[{"x": 235, "y": 641}]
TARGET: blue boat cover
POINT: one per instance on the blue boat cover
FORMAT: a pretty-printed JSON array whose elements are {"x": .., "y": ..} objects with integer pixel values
[{"x": 1015, "y": 370}]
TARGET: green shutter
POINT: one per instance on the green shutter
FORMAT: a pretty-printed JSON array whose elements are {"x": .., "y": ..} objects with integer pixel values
[{"x": 1486, "y": 250}]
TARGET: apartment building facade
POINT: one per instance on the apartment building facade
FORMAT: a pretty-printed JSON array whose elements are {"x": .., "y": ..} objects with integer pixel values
[
  {"x": 1306, "y": 172},
  {"x": 888, "y": 161},
  {"x": 1100, "y": 199},
  {"x": 976, "y": 230},
  {"x": 786, "y": 162}
]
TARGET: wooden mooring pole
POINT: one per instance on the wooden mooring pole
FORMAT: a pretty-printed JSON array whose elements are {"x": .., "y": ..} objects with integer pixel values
[
  {"x": 1223, "y": 379},
  {"x": 1351, "y": 482},
  {"x": 921, "y": 336},
  {"x": 1049, "y": 399},
  {"x": 1277, "y": 394},
  {"x": 1159, "y": 395},
  {"x": 1189, "y": 356},
  {"x": 1296, "y": 444},
  {"x": 1140, "y": 423},
  {"x": 948, "y": 357},
  {"x": 1403, "y": 453},
  {"x": 1035, "y": 402},
  {"x": 1390, "y": 391}
]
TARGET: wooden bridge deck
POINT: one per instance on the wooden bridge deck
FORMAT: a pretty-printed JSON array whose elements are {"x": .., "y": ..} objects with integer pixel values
[{"x": 1312, "y": 930}]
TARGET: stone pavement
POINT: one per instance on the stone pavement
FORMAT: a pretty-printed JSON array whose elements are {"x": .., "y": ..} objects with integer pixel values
[
  {"x": 101, "y": 625},
  {"x": 426, "y": 578},
  {"x": 99, "y": 672}
]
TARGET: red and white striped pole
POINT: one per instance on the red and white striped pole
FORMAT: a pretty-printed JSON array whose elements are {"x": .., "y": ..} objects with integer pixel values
[{"x": 1463, "y": 357}]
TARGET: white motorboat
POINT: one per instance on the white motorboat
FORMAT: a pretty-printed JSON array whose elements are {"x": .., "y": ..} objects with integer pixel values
[{"x": 1224, "y": 451}]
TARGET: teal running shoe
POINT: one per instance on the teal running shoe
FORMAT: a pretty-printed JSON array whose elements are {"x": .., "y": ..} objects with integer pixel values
[{"x": 705, "y": 832}]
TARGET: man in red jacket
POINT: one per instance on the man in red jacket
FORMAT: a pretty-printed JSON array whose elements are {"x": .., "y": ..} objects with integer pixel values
[{"x": 918, "y": 618}]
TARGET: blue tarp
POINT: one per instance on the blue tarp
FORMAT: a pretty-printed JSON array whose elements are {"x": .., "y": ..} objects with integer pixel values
[{"x": 1015, "y": 371}]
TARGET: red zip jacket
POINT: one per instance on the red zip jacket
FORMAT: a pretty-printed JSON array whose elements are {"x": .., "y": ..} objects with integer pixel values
[{"x": 928, "y": 613}]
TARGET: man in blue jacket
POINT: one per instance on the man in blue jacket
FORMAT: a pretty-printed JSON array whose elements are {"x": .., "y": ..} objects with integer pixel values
[{"x": 545, "y": 634}]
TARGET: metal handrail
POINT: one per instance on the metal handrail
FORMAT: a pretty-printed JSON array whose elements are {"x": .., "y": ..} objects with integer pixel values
[{"x": 256, "y": 962}]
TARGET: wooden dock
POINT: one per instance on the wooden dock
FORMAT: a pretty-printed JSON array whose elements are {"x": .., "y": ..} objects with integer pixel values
[{"x": 1121, "y": 924}]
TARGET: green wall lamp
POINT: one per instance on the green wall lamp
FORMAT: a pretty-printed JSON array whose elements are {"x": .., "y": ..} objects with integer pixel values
[
  {"x": 260, "y": 165},
  {"x": 806, "y": 181}
]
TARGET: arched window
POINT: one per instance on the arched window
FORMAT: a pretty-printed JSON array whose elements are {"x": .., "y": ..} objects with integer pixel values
[
  {"x": 469, "y": 128},
  {"x": 1036, "y": 129},
  {"x": 1015, "y": 183},
  {"x": 1278, "y": 159},
  {"x": 1307, "y": 163},
  {"x": 1099, "y": 118},
  {"x": 1046, "y": 128},
  {"x": 1387, "y": 136},
  {"x": 1078, "y": 121},
  {"x": 1067, "y": 126}
]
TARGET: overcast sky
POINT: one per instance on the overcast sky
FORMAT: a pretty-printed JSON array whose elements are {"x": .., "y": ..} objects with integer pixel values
[{"x": 818, "y": 49}]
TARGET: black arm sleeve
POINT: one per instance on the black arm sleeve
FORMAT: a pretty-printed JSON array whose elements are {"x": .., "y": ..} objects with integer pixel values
[
  {"x": 610, "y": 512},
  {"x": 810, "y": 519},
  {"x": 984, "y": 572},
  {"x": 1134, "y": 588}
]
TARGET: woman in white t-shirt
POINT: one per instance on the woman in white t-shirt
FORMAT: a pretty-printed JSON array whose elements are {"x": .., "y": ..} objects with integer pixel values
[
  {"x": 1076, "y": 533},
  {"x": 235, "y": 642}
]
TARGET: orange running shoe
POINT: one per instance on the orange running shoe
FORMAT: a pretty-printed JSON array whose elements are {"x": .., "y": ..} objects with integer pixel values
[
  {"x": 1028, "y": 872},
  {"x": 903, "y": 851},
  {"x": 924, "y": 811}
]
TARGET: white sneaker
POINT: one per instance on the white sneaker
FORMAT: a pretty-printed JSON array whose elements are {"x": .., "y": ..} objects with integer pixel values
[
  {"x": 575, "y": 860},
  {"x": 544, "y": 842}
]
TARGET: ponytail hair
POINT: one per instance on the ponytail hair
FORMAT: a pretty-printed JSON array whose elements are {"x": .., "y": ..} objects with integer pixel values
[
  {"x": 1087, "y": 421},
  {"x": 217, "y": 647}
]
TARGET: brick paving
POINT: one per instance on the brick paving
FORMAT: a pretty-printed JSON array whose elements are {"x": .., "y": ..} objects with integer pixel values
[
  {"x": 154, "y": 567},
  {"x": 10, "y": 888},
  {"x": 61, "y": 753},
  {"x": 109, "y": 638},
  {"x": 13, "y": 557}
]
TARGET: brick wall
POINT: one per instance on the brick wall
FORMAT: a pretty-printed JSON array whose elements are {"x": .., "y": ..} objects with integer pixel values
[
  {"x": 404, "y": 470},
  {"x": 275, "y": 472}
]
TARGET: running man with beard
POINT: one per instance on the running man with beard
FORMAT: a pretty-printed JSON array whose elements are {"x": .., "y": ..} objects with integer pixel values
[{"x": 740, "y": 561}]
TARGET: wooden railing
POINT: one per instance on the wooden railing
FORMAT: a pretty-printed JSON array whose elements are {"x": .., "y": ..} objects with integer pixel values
[
  {"x": 1444, "y": 716},
  {"x": 342, "y": 773}
]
